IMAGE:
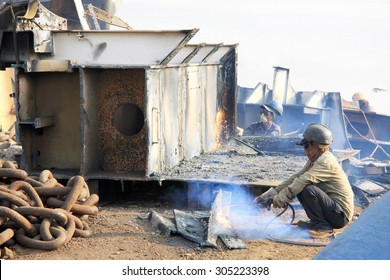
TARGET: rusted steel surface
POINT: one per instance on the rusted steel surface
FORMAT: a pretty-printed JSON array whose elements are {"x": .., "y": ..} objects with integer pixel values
[
  {"x": 13, "y": 173},
  {"x": 40, "y": 216},
  {"x": 29, "y": 190},
  {"x": 41, "y": 212},
  {"x": 60, "y": 238},
  {"x": 76, "y": 208},
  {"x": 76, "y": 183},
  {"x": 4, "y": 188},
  {"x": 19, "y": 220},
  {"x": 12, "y": 199},
  {"x": 118, "y": 152},
  {"x": 6, "y": 235}
]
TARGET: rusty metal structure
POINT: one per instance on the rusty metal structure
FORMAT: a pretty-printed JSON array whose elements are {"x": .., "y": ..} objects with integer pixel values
[{"x": 113, "y": 105}]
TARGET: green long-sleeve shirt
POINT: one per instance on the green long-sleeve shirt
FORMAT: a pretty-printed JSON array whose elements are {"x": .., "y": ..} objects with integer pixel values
[{"x": 327, "y": 174}]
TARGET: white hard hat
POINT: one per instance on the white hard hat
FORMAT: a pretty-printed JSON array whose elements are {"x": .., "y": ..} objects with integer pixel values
[{"x": 358, "y": 96}]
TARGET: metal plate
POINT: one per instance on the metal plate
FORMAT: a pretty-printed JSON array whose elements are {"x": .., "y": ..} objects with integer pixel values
[{"x": 193, "y": 227}]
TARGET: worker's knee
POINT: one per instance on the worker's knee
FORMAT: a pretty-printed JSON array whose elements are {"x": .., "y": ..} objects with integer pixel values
[{"x": 310, "y": 191}]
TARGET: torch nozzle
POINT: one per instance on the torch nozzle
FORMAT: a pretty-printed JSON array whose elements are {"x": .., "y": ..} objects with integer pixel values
[{"x": 265, "y": 204}]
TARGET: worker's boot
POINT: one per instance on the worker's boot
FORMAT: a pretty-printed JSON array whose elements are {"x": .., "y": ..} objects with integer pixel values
[{"x": 305, "y": 224}]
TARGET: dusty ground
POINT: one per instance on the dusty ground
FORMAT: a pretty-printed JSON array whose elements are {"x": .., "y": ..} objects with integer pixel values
[{"x": 122, "y": 230}]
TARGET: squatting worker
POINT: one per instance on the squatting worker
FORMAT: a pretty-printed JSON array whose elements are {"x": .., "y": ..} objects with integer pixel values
[
  {"x": 266, "y": 124},
  {"x": 321, "y": 186}
]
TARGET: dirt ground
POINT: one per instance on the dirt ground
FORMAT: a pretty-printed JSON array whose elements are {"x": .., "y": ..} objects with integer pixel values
[{"x": 122, "y": 231}]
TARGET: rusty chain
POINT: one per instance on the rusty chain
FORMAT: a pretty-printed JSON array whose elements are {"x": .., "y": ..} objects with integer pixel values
[{"x": 41, "y": 213}]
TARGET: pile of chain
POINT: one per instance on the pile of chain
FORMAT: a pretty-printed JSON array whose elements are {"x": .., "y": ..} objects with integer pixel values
[{"x": 41, "y": 213}]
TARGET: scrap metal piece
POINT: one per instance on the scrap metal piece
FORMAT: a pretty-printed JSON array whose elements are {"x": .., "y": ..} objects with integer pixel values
[
  {"x": 98, "y": 14},
  {"x": 219, "y": 217},
  {"x": 370, "y": 187},
  {"x": 165, "y": 224},
  {"x": 219, "y": 222},
  {"x": 232, "y": 242},
  {"x": 38, "y": 17},
  {"x": 360, "y": 197},
  {"x": 193, "y": 227}
]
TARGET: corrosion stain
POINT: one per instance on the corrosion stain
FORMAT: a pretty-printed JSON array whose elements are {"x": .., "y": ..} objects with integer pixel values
[{"x": 119, "y": 152}]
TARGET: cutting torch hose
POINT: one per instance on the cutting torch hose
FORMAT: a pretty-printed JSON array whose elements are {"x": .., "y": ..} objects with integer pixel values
[
  {"x": 287, "y": 205},
  {"x": 288, "y": 241}
]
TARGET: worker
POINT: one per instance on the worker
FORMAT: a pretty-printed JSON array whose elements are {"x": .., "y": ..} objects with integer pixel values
[
  {"x": 266, "y": 124},
  {"x": 321, "y": 186},
  {"x": 364, "y": 105}
]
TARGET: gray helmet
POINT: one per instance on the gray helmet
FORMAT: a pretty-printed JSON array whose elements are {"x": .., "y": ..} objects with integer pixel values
[
  {"x": 317, "y": 133},
  {"x": 274, "y": 107}
]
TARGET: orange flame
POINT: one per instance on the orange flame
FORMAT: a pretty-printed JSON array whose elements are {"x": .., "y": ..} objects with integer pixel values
[
  {"x": 221, "y": 126},
  {"x": 221, "y": 218}
]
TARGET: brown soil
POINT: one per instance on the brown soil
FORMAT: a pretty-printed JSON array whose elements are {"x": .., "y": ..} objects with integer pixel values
[{"x": 123, "y": 232}]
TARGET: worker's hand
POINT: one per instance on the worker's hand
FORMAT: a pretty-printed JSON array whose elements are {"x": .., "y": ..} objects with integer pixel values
[
  {"x": 239, "y": 131},
  {"x": 280, "y": 200},
  {"x": 266, "y": 196},
  {"x": 277, "y": 202}
]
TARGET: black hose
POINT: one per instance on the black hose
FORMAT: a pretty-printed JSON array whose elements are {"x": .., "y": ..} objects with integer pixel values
[
  {"x": 281, "y": 240},
  {"x": 281, "y": 213}
]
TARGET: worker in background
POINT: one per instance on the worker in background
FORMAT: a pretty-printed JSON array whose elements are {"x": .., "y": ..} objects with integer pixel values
[
  {"x": 321, "y": 186},
  {"x": 266, "y": 124},
  {"x": 364, "y": 105}
]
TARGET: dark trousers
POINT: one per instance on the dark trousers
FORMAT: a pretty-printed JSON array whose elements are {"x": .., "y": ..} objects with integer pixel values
[{"x": 320, "y": 208}]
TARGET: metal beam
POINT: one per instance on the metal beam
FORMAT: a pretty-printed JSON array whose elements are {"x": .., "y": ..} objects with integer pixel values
[
  {"x": 214, "y": 50},
  {"x": 171, "y": 55},
  {"x": 193, "y": 53}
]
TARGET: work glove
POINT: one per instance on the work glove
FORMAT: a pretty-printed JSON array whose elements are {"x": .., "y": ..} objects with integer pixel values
[
  {"x": 268, "y": 195},
  {"x": 239, "y": 131},
  {"x": 280, "y": 200}
]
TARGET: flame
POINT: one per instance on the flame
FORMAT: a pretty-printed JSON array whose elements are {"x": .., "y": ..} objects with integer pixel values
[
  {"x": 221, "y": 126},
  {"x": 221, "y": 218}
]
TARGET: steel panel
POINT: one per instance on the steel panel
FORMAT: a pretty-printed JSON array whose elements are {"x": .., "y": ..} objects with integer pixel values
[
  {"x": 192, "y": 101},
  {"x": 202, "y": 54},
  {"x": 153, "y": 116},
  {"x": 90, "y": 153},
  {"x": 184, "y": 52},
  {"x": 53, "y": 95},
  {"x": 171, "y": 113},
  {"x": 220, "y": 53},
  {"x": 120, "y": 153},
  {"x": 186, "y": 99},
  {"x": 122, "y": 48},
  {"x": 210, "y": 107}
]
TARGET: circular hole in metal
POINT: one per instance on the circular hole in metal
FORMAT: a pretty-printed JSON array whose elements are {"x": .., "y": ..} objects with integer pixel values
[{"x": 128, "y": 119}]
